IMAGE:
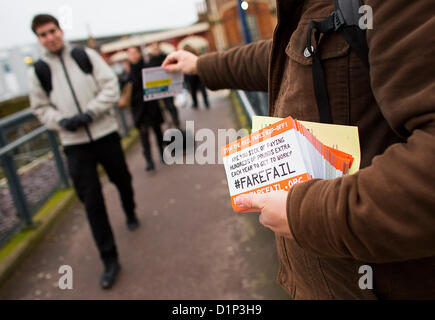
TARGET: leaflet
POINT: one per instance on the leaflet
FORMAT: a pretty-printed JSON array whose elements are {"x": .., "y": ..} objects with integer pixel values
[{"x": 158, "y": 83}]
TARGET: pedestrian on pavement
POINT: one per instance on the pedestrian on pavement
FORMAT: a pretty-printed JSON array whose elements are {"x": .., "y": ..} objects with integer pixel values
[
  {"x": 193, "y": 83},
  {"x": 156, "y": 59},
  {"x": 147, "y": 114},
  {"x": 73, "y": 91},
  {"x": 382, "y": 217}
]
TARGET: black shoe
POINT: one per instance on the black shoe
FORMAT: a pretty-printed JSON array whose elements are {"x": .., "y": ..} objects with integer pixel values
[
  {"x": 150, "y": 166},
  {"x": 133, "y": 224},
  {"x": 109, "y": 275}
]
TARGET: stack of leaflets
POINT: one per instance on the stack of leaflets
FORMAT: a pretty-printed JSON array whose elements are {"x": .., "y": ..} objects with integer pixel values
[{"x": 279, "y": 156}]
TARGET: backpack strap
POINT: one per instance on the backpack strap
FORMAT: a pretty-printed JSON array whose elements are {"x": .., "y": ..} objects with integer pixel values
[
  {"x": 80, "y": 56},
  {"x": 344, "y": 19},
  {"x": 348, "y": 15},
  {"x": 78, "y": 53},
  {"x": 43, "y": 72}
]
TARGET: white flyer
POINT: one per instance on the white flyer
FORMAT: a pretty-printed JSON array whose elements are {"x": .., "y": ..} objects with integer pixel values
[{"x": 158, "y": 83}]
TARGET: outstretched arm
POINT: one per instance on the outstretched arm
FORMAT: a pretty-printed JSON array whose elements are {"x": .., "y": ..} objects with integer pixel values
[{"x": 244, "y": 67}]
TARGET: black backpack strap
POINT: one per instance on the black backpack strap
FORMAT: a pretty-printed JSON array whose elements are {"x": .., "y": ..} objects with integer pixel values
[
  {"x": 80, "y": 56},
  {"x": 344, "y": 19},
  {"x": 43, "y": 72},
  {"x": 347, "y": 12},
  {"x": 78, "y": 53}
]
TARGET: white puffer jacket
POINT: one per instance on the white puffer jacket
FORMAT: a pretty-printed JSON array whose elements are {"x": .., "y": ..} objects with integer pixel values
[{"x": 96, "y": 94}]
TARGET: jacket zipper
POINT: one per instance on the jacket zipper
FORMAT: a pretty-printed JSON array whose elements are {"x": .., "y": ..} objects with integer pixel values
[{"x": 76, "y": 101}]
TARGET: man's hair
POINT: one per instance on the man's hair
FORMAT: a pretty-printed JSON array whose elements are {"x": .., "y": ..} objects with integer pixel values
[
  {"x": 137, "y": 48},
  {"x": 42, "y": 19}
]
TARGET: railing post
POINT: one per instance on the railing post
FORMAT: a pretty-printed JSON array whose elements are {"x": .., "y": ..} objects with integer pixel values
[
  {"x": 58, "y": 158},
  {"x": 243, "y": 22},
  {"x": 264, "y": 103},
  {"x": 15, "y": 187}
]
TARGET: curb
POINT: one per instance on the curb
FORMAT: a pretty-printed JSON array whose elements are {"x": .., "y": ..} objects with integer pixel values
[
  {"x": 22, "y": 243},
  {"x": 15, "y": 251}
]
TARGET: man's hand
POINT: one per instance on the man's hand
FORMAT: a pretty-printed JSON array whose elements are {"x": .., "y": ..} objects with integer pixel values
[
  {"x": 273, "y": 208},
  {"x": 73, "y": 123},
  {"x": 181, "y": 60}
]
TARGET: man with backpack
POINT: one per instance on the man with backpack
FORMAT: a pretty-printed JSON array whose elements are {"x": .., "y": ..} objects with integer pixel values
[
  {"x": 73, "y": 91},
  {"x": 370, "y": 235}
]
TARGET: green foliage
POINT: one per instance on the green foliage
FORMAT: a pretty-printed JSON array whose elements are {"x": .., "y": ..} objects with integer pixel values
[{"x": 11, "y": 106}]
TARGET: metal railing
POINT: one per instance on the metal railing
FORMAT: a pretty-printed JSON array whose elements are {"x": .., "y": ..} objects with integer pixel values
[
  {"x": 253, "y": 103},
  {"x": 10, "y": 148}
]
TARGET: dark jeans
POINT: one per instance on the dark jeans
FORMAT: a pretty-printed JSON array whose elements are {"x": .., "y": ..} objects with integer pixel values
[
  {"x": 82, "y": 165},
  {"x": 194, "y": 85},
  {"x": 144, "y": 130},
  {"x": 170, "y": 106}
]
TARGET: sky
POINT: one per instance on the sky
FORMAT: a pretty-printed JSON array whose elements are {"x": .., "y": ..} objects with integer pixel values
[{"x": 104, "y": 17}]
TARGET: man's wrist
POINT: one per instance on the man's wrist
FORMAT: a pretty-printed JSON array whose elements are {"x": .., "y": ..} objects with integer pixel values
[{"x": 195, "y": 66}]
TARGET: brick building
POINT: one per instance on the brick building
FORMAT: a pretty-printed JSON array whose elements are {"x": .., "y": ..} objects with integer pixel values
[{"x": 223, "y": 16}]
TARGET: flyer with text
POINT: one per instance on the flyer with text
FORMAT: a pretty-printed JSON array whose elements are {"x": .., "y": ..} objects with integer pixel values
[
  {"x": 158, "y": 83},
  {"x": 267, "y": 160},
  {"x": 279, "y": 156}
]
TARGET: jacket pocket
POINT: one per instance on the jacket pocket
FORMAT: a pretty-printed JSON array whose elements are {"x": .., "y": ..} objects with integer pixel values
[
  {"x": 331, "y": 45},
  {"x": 334, "y": 53},
  {"x": 285, "y": 275}
]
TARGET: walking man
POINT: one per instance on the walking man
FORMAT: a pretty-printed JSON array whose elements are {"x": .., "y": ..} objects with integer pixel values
[{"x": 73, "y": 91}]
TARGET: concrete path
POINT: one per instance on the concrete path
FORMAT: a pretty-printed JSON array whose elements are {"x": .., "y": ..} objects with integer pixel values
[{"x": 190, "y": 244}]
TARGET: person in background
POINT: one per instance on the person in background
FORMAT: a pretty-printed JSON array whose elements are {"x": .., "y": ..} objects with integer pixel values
[
  {"x": 193, "y": 83},
  {"x": 156, "y": 59},
  {"x": 147, "y": 114},
  {"x": 124, "y": 77},
  {"x": 81, "y": 109}
]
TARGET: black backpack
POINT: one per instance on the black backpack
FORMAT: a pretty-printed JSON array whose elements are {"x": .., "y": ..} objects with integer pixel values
[
  {"x": 43, "y": 72},
  {"x": 345, "y": 20}
]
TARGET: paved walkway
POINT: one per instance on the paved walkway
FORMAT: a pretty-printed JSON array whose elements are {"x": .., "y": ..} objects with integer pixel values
[{"x": 190, "y": 244}]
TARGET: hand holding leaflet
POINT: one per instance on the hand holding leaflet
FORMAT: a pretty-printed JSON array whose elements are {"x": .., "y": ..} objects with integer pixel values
[{"x": 278, "y": 157}]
